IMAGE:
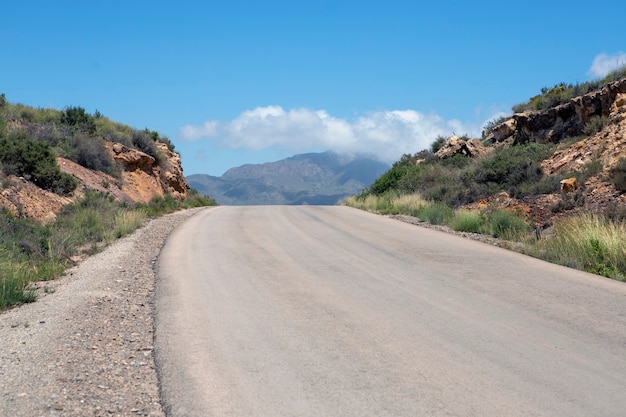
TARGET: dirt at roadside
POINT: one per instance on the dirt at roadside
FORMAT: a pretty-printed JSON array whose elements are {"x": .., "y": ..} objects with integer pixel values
[{"x": 85, "y": 347}]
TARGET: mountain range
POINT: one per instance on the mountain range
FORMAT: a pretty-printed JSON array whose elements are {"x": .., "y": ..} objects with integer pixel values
[{"x": 313, "y": 178}]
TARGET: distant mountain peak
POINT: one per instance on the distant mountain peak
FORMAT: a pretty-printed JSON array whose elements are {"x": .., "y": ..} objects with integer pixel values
[{"x": 312, "y": 178}]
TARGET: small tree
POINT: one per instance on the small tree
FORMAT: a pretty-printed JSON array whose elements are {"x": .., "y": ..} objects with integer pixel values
[{"x": 77, "y": 118}]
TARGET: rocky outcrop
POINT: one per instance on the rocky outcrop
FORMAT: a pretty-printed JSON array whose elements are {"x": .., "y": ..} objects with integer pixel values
[
  {"x": 565, "y": 120},
  {"x": 618, "y": 109},
  {"x": 502, "y": 131},
  {"x": 141, "y": 178},
  {"x": 606, "y": 146},
  {"x": 171, "y": 173},
  {"x": 131, "y": 159},
  {"x": 458, "y": 146}
]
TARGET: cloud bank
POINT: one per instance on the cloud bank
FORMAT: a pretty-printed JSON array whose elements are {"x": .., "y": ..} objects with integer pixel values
[
  {"x": 605, "y": 63},
  {"x": 385, "y": 134}
]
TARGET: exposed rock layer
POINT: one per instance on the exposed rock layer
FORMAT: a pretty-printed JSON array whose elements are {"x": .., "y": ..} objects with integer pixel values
[
  {"x": 141, "y": 179},
  {"x": 566, "y": 120}
]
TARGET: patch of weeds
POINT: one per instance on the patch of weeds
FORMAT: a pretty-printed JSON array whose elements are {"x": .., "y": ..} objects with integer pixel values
[
  {"x": 618, "y": 175},
  {"x": 505, "y": 225},
  {"x": 436, "y": 213},
  {"x": 467, "y": 221},
  {"x": 596, "y": 124}
]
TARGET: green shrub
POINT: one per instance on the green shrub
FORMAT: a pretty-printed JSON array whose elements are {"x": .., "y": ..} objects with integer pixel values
[
  {"x": 438, "y": 143},
  {"x": 162, "y": 205},
  {"x": 114, "y": 132},
  {"x": 590, "y": 169},
  {"x": 56, "y": 135},
  {"x": 196, "y": 199},
  {"x": 14, "y": 279},
  {"x": 505, "y": 224},
  {"x": 144, "y": 142},
  {"x": 168, "y": 142},
  {"x": 36, "y": 162},
  {"x": 618, "y": 175},
  {"x": 22, "y": 235},
  {"x": 389, "y": 180},
  {"x": 26, "y": 114},
  {"x": 596, "y": 124},
  {"x": 78, "y": 119},
  {"x": 91, "y": 153},
  {"x": 436, "y": 213},
  {"x": 467, "y": 221},
  {"x": 512, "y": 168}
]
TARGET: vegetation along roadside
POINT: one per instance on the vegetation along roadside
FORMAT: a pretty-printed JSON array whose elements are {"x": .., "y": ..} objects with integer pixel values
[
  {"x": 550, "y": 179},
  {"x": 52, "y": 215}
]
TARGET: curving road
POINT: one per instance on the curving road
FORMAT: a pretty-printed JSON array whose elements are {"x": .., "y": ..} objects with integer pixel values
[{"x": 331, "y": 311}]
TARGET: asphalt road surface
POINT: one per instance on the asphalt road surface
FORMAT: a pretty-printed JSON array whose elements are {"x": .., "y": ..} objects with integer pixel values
[{"x": 331, "y": 311}]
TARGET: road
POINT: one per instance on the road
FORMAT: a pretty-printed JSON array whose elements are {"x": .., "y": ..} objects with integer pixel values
[{"x": 331, "y": 311}]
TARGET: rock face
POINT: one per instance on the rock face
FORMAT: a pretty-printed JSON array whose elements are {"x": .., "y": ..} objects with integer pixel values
[
  {"x": 144, "y": 179},
  {"x": 457, "y": 146},
  {"x": 604, "y": 148},
  {"x": 130, "y": 159},
  {"x": 565, "y": 120},
  {"x": 171, "y": 173}
]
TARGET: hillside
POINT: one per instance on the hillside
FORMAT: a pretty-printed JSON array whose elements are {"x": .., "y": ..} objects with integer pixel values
[
  {"x": 71, "y": 183},
  {"x": 551, "y": 177},
  {"x": 50, "y": 158},
  {"x": 313, "y": 178}
]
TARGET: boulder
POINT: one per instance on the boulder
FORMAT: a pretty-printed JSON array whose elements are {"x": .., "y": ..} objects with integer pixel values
[
  {"x": 569, "y": 184},
  {"x": 501, "y": 132},
  {"x": 131, "y": 159},
  {"x": 618, "y": 109},
  {"x": 455, "y": 146}
]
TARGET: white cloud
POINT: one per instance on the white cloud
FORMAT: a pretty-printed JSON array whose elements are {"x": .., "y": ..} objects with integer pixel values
[
  {"x": 605, "y": 63},
  {"x": 386, "y": 134}
]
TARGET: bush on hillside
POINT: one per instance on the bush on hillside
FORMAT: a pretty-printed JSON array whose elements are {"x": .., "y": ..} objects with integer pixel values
[
  {"x": 389, "y": 180},
  {"x": 78, "y": 119},
  {"x": 91, "y": 153},
  {"x": 510, "y": 168},
  {"x": 438, "y": 143},
  {"x": 596, "y": 124},
  {"x": 143, "y": 141},
  {"x": 618, "y": 175},
  {"x": 36, "y": 162}
]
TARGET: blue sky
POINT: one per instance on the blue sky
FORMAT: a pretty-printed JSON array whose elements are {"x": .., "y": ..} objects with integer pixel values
[{"x": 235, "y": 82}]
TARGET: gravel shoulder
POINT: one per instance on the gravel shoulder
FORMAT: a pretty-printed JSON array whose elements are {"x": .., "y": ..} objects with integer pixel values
[{"x": 86, "y": 346}]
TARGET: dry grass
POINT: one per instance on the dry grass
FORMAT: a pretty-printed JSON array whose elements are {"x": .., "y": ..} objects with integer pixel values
[
  {"x": 589, "y": 242},
  {"x": 128, "y": 221}
]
